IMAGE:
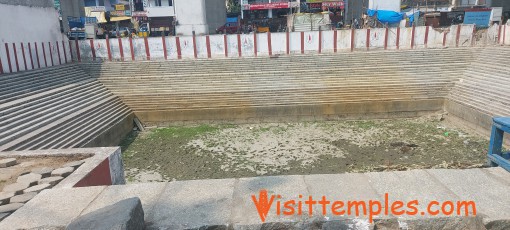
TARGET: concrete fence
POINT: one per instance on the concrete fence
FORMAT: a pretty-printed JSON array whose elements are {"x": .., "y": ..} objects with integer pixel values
[{"x": 16, "y": 57}]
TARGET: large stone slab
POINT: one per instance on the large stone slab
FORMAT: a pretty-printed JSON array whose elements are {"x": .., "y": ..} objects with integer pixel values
[
  {"x": 44, "y": 172},
  {"x": 244, "y": 211},
  {"x": 37, "y": 188},
  {"x": 407, "y": 186},
  {"x": 193, "y": 204},
  {"x": 52, "y": 207},
  {"x": 5, "y": 197},
  {"x": 23, "y": 198},
  {"x": 341, "y": 187},
  {"x": 74, "y": 164},
  {"x": 8, "y": 162},
  {"x": 124, "y": 215},
  {"x": 490, "y": 194},
  {"x": 17, "y": 188},
  {"x": 10, "y": 207},
  {"x": 54, "y": 180},
  {"x": 31, "y": 178},
  {"x": 63, "y": 172},
  {"x": 148, "y": 193}
]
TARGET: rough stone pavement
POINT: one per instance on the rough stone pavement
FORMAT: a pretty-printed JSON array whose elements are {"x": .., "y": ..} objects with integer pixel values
[{"x": 227, "y": 202}]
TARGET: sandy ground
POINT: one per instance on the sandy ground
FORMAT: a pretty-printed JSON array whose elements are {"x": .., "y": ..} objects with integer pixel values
[{"x": 231, "y": 151}]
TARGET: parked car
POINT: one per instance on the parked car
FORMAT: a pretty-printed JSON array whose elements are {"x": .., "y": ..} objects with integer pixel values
[
  {"x": 228, "y": 28},
  {"x": 123, "y": 32}
]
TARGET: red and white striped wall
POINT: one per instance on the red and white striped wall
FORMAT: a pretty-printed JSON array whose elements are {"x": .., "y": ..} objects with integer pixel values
[{"x": 19, "y": 56}]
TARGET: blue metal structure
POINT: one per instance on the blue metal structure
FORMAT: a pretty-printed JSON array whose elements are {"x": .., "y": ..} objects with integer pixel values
[{"x": 496, "y": 157}]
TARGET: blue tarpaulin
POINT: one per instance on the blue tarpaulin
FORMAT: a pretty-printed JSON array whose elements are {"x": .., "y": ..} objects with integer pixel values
[
  {"x": 386, "y": 16},
  {"x": 232, "y": 20}
]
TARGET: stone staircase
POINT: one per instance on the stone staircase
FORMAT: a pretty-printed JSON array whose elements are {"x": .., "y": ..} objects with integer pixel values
[
  {"x": 59, "y": 107},
  {"x": 344, "y": 85},
  {"x": 482, "y": 92}
]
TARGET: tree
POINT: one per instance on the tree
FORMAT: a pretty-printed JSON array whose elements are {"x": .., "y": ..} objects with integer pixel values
[{"x": 233, "y": 6}]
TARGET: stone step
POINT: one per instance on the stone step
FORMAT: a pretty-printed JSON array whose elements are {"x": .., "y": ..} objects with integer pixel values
[{"x": 22, "y": 128}]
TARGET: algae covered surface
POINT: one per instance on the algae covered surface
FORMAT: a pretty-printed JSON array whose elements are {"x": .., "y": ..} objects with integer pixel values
[{"x": 231, "y": 151}]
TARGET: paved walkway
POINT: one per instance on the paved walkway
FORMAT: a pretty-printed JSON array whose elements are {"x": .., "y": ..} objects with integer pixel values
[{"x": 228, "y": 202}]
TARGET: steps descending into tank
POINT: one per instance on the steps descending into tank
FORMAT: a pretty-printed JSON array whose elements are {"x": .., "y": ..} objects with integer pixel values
[
  {"x": 356, "y": 84},
  {"x": 483, "y": 91},
  {"x": 57, "y": 107}
]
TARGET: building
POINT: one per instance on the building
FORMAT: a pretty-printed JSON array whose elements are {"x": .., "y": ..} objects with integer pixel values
[
  {"x": 180, "y": 17},
  {"x": 390, "y": 5}
]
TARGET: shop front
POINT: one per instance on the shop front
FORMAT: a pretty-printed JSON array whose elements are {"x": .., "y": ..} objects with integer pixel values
[
  {"x": 335, "y": 7},
  {"x": 267, "y": 16}
]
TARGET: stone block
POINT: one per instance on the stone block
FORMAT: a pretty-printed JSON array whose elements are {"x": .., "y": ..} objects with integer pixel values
[
  {"x": 74, "y": 164},
  {"x": 17, "y": 188},
  {"x": 123, "y": 215},
  {"x": 37, "y": 188},
  {"x": 5, "y": 197},
  {"x": 63, "y": 172},
  {"x": 8, "y": 208},
  {"x": 23, "y": 198},
  {"x": 44, "y": 172},
  {"x": 193, "y": 204},
  {"x": 31, "y": 178},
  {"x": 54, "y": 180},
  {"x": 8, "y": 162}
]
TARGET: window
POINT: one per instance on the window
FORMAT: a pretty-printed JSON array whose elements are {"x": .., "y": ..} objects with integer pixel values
[{"x": 158, "y": 2}]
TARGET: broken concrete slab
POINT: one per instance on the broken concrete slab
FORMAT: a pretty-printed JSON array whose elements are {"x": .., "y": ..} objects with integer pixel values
[
  {"x": 54, "y": 180},
  {"x": 8, "y": 162},
  {"x": 11, "y": 207},
  {"x": 5, "y": 197},
  {"x": 17, "y": 188},
  {"x": 124, "y": 215},
  {"x": 193, "y": 204},
  {"x": 63, "y": 172},
  {"x": 23, "y": 198},
  {"x": 44, "y": 172},
  {"x": 37, "y": 188},
  {"x": 65, "y": 205},
  {"x": 30, "y": 178}
]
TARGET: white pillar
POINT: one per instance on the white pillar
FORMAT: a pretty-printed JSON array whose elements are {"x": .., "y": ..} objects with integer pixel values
[
  {"x": 299, "y": 6},
  {"x": 270, "y": 12},
  {"x": 242, "y": 11}
]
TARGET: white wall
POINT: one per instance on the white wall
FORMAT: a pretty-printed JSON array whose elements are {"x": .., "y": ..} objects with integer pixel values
[
  {"x": 23, "y": 25},
  {"x": 190, "y": 15},
  {"x": 393, "y": 5},
  {"x": 163, "y": 11}
]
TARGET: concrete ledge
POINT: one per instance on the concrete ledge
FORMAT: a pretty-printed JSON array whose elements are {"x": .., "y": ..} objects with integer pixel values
[
  {"x": 227, "y": 203},
  {"x": 350, "y": 110}
]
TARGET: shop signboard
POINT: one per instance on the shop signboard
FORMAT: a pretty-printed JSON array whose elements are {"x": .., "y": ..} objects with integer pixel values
[
  {"x": 97, "y": 8},
  {"x": 337, "y": 4},
  {"x": 139, "y": 13},
  {"x": 119, "y": 7},
  {"x": 266, "y": 6},
  {"x": 479, "y": 17},
  {"x": 120, "y": 13}
]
